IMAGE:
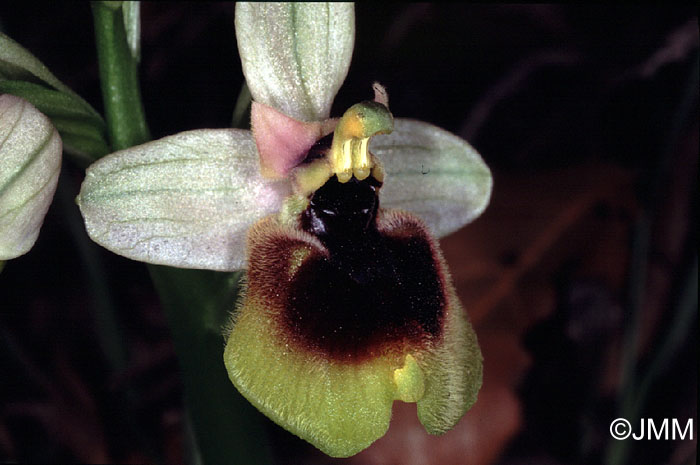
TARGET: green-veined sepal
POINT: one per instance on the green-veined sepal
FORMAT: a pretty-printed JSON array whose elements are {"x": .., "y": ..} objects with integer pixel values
[
  {"x": 295, "y": 56},
  {"x": 30, "y": 161},
  {"x": 433, "y": 174},
  {"x": 185, "y": 200}
]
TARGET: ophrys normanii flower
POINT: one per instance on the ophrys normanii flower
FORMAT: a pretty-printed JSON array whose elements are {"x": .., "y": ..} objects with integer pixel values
[
  {"x": 349, "y": 307},
  {"x": 348, "y": 304}
]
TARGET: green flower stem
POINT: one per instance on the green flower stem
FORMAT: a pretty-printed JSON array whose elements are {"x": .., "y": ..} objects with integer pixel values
[
  {"x": 227, "y": 428},
  {"x": 126, "y": 123},
  {"x": 126, "y": 126},
  {"x": 196, "y": 303}
]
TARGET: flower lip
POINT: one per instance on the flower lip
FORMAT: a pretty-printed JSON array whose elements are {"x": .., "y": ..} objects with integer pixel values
[
  {"x": 375, "y": 288},
  {"x": 338, "y": 213}
]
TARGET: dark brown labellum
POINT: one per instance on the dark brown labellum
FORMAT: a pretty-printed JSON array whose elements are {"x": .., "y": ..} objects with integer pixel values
[{"x": 378, "y": 285}]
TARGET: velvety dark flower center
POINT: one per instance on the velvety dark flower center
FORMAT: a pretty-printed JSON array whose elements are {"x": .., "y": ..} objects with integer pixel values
[{"x": 376, "y": 287}]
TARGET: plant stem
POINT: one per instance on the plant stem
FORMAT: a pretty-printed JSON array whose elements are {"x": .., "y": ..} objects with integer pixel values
[
  {"x": 126, "y": 122},
  {"x": 126, "y": 126},
  {"x": 226, "y": 428}
]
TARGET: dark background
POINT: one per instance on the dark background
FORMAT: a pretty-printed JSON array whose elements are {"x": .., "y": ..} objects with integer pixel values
[{"x": 587, "y": 116}]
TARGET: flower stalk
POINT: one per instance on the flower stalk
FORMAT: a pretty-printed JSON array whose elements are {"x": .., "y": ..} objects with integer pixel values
[{"x": 126, "y": 121}]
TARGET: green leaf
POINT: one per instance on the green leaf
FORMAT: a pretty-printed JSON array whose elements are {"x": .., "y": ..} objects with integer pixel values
[
  {"x": 186, "y": 200},
  {"x": 432, "y": 173},
  {"x": 18, "y": 64},
  {"x": 132, "y": 26},
  {"x": 295, "y": 56},
  {"x": 83, "y": 132},
  {"x": 30, "y": 161}
]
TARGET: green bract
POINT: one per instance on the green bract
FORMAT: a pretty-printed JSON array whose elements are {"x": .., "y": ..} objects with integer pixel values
[
  {"x": 198, "y": 199},
  {"x": 30, "y": 161}
]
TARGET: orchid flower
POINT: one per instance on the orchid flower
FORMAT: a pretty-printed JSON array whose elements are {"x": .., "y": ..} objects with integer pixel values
[
  {"x": 30, "y": 160},
  {"x": 348, "y": 304}
]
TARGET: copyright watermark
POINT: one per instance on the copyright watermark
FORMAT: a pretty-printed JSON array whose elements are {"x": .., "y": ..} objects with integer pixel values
[{"x": 650, "y": 429}]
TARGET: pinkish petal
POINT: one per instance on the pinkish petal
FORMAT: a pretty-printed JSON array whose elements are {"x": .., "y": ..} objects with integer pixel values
[{"x": 282, "y": 141}]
